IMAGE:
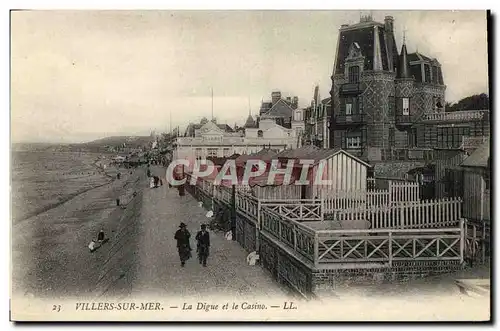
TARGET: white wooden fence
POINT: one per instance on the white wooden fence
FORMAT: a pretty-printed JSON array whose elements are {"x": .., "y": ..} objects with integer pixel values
[
  {"x": 396, "y": 193},
  {"x": 406, "y": 215}
]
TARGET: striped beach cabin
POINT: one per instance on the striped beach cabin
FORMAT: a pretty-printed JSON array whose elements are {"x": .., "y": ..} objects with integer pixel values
[{"x": 330, "y": 170}]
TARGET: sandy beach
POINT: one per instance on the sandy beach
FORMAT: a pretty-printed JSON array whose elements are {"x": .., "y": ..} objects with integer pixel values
[{"x": 58, "y": 213}]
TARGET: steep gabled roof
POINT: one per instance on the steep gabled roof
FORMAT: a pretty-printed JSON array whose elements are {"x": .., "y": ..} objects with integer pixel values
[
  {"x": 280, "y": 109},
  {"x": 225, "y": 127},
  {"x": 363, "y": 35},
  {"x": 479, "y": 158},
  {"x": 316, "y": 154},
  {"x": 250, "y": 123},
  {"x": 326, "y": 101},
  {"x": 212, "y": 126}
]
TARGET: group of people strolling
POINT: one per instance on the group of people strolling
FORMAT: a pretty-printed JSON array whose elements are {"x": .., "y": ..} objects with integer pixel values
[{"x": 184, "y": 245}]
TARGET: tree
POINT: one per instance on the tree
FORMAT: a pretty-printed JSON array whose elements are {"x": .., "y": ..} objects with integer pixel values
[{"x": 473, "y": 102}]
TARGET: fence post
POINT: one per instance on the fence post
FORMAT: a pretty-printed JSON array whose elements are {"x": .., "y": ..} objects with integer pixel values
[
  {"x": 233, "y": 211},
  {"x": 295, "y": 237},
  {"x": 316, "y": 250},
  {"x": 390, "y": 248},
  {"x": 390, "y": 192},
  {"x": 462, "y": 240},
  {"x": 257, "y": 227},
  {"x": 322, "y": 207}
]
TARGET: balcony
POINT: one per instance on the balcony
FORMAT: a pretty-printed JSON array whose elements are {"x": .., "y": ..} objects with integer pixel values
[
  {"x": 456, "y": 116},
  {"x": 349, "y": 120},
  {"x": 350, "y": 88},
  {"x": 403, "y": 120}
]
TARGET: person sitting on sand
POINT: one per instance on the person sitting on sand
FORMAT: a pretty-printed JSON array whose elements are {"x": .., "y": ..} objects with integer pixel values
[{"x": 100, "y": 236}]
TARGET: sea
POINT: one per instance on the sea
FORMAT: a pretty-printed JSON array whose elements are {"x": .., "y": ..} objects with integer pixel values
[{"x": 41, "y": 180}]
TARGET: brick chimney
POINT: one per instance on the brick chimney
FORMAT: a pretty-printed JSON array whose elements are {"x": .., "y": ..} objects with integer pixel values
[{"x": 275, "y": 96}]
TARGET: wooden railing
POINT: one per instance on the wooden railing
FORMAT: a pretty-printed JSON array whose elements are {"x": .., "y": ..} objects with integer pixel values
[
  {"x": 437, "y": 213},
  {"x": 248, "y": 205},
  {"x": 412, "y": 231},
  {"x": 293, "y": 234},
  {"x": 322, "y": 247},
  {"x": 397, "y": 192},
  {"x": 455, "y": 116},
  {"x": 388, "y": 246},
  {"x": 223, "y": 193},
  {"x": 355, "y": 199},
  {"x": 298, "y": 210}
]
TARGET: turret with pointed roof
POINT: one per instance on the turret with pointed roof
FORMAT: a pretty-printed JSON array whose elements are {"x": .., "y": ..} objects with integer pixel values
[
  {"x": 250, "y": 123},
  {"x": 404, "y": 65}
]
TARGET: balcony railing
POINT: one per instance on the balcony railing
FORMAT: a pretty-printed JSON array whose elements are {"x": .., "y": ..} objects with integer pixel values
[
  {"x": 343, "y": 119},
  {"x": 403, "y": 119},
  {"x": 473, "y": 142},
  {"x": 457, "y": 116},
  {"x": 238, "y": 141},
  {"x": 350, "y": 88}
]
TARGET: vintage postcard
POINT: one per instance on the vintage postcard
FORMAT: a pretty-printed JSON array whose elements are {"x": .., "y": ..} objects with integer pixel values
[{"x": 250, "y": 165}]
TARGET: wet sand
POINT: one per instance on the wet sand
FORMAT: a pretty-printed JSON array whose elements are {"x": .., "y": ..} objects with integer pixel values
[{"x": 50, "y": 257}]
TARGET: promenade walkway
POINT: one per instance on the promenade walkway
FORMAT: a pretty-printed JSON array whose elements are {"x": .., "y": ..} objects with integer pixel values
[{"x": 158, "y": 268}]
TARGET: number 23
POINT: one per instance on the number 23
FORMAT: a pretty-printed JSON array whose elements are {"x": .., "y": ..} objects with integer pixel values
[{"x": 56, "y": 308}]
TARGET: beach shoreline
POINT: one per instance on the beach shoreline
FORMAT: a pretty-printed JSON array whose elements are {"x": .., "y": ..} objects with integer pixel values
[{"x": 50, "y": 257}]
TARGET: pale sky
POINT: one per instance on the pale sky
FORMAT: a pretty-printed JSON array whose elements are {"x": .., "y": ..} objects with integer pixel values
[{"x": 82, "y": 75}]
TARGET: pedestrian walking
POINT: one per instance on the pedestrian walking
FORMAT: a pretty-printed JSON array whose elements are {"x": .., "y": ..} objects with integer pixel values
[
  {"x": 203, "y": 244},
  {"x": 183, "y": 245}
]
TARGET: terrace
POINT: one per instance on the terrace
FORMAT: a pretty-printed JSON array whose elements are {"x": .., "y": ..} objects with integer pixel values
[{"x": 364, "y": 230}]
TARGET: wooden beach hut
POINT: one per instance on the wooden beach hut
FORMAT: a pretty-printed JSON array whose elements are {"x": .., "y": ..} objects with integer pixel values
[
  {"x": 329, "y": 170},
  {"x": 477, "y": 184}
]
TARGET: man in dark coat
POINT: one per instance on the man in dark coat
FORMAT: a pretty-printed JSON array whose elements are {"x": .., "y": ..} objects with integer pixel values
[
  {"x": 203, "y": 244},
  {"x": 183, "y": 246}
]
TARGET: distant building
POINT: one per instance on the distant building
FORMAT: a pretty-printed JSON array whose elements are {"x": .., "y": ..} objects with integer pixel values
[
  {"x": 317, "y": 121},
  {"x": 213, "y": 140},
  {"x": 284, "y": 112}
]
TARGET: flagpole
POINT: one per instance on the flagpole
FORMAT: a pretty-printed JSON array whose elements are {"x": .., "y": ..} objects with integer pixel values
[
  {"x": 170, "y": 122},
  {"x": 212, "y": 89}
]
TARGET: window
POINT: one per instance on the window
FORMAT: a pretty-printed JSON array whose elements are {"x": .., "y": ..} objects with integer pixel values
[
  {"x": 227, "y": 152},
  {"x": 348, "y": 108},
  {"x": 353, "y": 142},
  {"x": 406, "y": 106},
  {"x": 434, "y": 74},
  {"x": 353, "y": 74},
  {"x": 392, "y": 105},
  {"x": 427, "y": 70},
  {"x": 198, "y": 153},
  {"x": 212, "y": 152},
  {"x": 479, "y": 129},
  {"x": 391, "y": 137},
  {"x": 260, "y": 134},
  {"x": 412, "y": 138},
  {"x": 451, "y": 137}
]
